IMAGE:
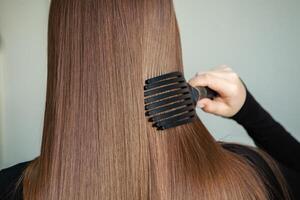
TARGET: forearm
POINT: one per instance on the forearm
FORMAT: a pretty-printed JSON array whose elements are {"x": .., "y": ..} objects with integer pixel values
[{"x": 268, "y": 134}]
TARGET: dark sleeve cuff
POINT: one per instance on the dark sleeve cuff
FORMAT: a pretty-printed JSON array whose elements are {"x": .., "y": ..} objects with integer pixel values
[{"x": 251, "y": 111}]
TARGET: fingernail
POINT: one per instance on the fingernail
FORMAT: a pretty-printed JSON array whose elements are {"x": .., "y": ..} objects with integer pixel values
[{"x": 201, "y": 105}]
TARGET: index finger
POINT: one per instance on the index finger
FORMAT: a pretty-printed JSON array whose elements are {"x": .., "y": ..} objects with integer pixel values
[{"x": 220, "y": 85}]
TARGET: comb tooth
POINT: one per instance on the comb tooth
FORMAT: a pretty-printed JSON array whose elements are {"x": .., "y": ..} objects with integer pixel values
[
  {"x": 167, "y": 101},
  {"x": 169, "y": 107},
  {"x": 164, "y": 82},
  {"x": 177, "y": 123},
  {"x": 166, "y": 88},
  {"x": 162, "y": 77},
  {"x": 165, "y": 95},
  {"x": 173, "y": 119},
  {"x": 171, "y": 113}
]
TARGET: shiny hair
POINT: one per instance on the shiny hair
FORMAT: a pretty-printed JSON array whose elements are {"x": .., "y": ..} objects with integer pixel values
[{"x": 97, "y": 143}]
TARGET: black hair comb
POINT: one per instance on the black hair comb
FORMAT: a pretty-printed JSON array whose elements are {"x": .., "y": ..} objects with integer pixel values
[{"x": 170, "y": 101}]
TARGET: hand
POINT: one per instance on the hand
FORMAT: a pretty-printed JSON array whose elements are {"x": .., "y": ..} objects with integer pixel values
[{"x": 232, "y": 92}]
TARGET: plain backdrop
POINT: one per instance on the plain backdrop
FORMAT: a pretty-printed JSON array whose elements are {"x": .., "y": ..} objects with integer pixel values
[{"x": 259, "y": 39}]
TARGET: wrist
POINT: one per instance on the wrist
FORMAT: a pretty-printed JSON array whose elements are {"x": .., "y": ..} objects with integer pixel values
[{"x": 248, "y": 113}]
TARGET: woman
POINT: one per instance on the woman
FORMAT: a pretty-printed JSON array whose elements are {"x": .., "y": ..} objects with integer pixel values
[{"x": 97, "y": 143}]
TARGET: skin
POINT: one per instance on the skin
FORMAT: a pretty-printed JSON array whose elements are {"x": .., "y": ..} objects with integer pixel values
[{"x": 232, "y": 92}]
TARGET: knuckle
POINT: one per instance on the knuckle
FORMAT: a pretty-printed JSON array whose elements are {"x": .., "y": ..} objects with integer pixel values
[
  {"x": 235, "y": 75},
  {"x": 234, "y": 88},
  {"x": 229, "y": 68},
  {"x": 224, "y": 66}
]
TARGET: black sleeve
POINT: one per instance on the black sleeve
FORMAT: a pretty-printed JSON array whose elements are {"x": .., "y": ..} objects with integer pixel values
[
  {"x": 268, "y": 134},
  {"x": 8, "y": 179}
]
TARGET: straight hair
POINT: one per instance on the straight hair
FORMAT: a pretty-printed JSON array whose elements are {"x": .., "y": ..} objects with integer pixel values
[{"x": 97, "y": 143}]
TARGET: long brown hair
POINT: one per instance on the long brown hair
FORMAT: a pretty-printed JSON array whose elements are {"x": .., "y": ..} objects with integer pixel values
[{"x": 97, "y": 143}]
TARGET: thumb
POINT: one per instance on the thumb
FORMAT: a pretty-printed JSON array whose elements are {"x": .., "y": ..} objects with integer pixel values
[{"x": 212, "y": 106}]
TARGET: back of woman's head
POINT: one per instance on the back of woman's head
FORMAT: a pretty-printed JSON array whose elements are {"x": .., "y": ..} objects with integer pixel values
[{"x": 96, "y": 142}]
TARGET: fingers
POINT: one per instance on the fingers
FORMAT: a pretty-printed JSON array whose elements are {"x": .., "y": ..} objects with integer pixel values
[
  {"x": 213, "y": 81},
  {"x": 222, "y": 71},
  {"x": 216, "y": 107},
  {"x": 222, "y": 68},
  {"x": 227, "y": 84},
  {"x": 228, "y": 75}
]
